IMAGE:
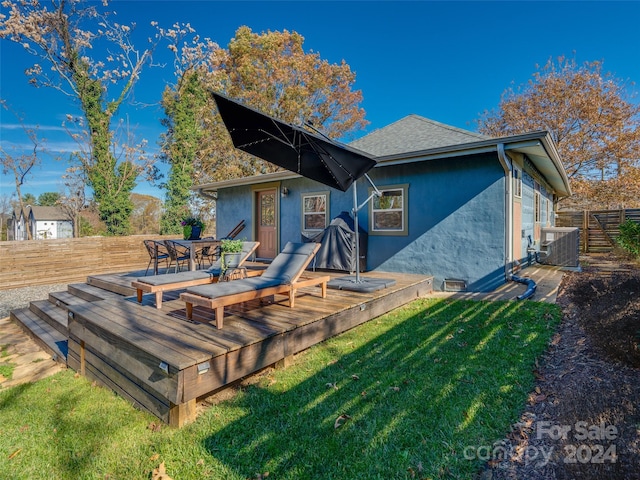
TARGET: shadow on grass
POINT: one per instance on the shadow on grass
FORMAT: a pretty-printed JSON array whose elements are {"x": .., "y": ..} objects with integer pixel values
[
  {"x": 13, "y": 395},
  {"x": 60, "y": 427},
  {"x": 414, "y": 392}
]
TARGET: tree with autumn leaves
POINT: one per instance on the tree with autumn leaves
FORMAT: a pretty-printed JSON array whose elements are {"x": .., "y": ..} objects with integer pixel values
[
  {"x": 593, "y": 122},
  {"x": 270, "y": 72}
]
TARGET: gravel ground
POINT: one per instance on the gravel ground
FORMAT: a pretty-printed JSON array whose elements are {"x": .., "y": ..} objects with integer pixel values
[{"x": 20, "y": 297}]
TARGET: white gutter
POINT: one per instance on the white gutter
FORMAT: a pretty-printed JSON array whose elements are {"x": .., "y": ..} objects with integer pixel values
[
  {"x": 242, "y": 181},
  {"x": 508, "y": 211}
]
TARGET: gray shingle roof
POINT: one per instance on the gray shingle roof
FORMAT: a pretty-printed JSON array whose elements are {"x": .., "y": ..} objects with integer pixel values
[
  {"x": 411, "y": 134},
  {"x": 49, "y": 213}
]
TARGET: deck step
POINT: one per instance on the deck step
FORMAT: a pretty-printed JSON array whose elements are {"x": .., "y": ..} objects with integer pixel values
[
  {"x": 122, "y": 287},
  {"x": 92, "y": 293},
  {"x": 52, "y": 314},
  {"x": 45, "y": 335},
  {"x": 64, "y": 299}
]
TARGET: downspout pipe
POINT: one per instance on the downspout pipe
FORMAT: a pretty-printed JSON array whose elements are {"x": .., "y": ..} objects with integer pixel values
[
  {"x": 508, "y": 210},
  {"x": 531, "y": 287}
]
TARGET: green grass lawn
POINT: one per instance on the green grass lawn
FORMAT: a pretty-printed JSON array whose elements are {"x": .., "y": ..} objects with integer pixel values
[{"x": 416, "y": 388}]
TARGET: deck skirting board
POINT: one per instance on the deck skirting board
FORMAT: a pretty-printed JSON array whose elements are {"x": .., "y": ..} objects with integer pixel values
[
  {"x": 109, "y": 376},
  {"x": 237, "y": 364},
  {"x": 135, "y": 363}
]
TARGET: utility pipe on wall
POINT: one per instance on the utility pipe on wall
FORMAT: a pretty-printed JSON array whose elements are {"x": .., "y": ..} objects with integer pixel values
[{"x": 508, "y": 211}]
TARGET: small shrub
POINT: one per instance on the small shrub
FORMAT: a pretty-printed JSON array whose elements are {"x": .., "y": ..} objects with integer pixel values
[
  {"x": 629, "y": 238},
  {"x": 231, "y": 246}
]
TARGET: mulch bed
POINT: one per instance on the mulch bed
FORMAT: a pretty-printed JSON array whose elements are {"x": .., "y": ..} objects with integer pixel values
[{"x": 583, "y": 418}]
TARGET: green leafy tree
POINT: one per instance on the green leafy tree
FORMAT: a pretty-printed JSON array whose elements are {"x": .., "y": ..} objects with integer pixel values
[
  {"x": 48, "y": 199},
  {"x": 29, "y": 199},
  {"x": 63, "y": 33},
  {"x": 5, "y": 215},
  {"x": 86, "y": 228},
  {"x": 184, "y": 108}
]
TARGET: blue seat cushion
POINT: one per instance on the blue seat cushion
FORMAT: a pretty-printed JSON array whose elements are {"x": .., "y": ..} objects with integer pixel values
[
  {"x": 218, "y": 290},
  {"x": 279, "y": 272},
  {"x": 289, "y": 262}
]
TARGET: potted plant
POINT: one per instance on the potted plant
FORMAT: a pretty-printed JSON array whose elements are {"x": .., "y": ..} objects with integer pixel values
[
  {"x": 230, "y": 253},
  {"x": 192, "y": 228}
]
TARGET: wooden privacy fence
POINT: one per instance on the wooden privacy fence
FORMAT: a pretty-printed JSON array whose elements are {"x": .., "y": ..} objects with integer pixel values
[
  {"x": 40, "y": 262},
  {"x": 598, "y": 228}
]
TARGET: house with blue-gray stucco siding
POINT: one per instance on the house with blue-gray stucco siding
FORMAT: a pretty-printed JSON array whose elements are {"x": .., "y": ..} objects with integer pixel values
[{"x": 457, "y": 205}]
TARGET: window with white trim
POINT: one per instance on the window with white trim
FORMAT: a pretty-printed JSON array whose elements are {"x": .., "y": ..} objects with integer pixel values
[
  {"x": 388, "y": 213},
  {"x": 536, "y": 203},
  {"x": 315, "y": 211},
  {"x": 517, "y": 181}
]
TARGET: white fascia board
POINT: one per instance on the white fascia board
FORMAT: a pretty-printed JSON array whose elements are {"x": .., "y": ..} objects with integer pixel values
[{"x": 239, "y": 182}]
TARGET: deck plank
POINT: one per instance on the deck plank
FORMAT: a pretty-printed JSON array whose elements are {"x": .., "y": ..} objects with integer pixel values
[{"x": 178, "y": 330}]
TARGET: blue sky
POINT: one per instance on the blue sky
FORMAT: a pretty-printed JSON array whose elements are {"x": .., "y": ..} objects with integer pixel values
[{"x": 448, "y": 61}]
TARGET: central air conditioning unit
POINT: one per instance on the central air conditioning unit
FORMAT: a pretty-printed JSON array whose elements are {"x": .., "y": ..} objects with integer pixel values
[{"x": 560, "y": 246}]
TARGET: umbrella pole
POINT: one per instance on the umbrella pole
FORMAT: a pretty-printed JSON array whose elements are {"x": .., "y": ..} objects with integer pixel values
[
  {"x": 356, "y": 209},
  {"x": 357, "y": 230}
]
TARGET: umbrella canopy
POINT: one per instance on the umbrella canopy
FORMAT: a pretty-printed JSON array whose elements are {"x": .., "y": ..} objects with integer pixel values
[{"x": 291, "y": 147}]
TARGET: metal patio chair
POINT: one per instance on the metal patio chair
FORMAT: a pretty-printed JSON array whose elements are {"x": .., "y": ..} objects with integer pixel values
[
  {"x": 178, "y": 253},
  {"x": 157, "y": 253}
]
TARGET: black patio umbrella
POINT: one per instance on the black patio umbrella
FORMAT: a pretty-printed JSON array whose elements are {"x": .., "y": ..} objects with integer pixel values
[
  {"x": 291, "y": 147},
  {"x": 301, "y": 151}
]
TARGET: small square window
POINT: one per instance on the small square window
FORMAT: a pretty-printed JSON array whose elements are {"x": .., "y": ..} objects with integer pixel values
[
  {"x": 315, "y": 212},
  {"x": 388, "y": 213},
  {"x": 517, "y": 181}
]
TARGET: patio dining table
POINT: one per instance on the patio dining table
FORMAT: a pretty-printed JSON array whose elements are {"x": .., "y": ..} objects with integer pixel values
[{"x": 195, "y": 246}]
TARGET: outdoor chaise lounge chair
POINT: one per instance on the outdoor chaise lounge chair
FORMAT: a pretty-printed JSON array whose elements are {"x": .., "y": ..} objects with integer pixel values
[
  {"x": 282, "y": 276},
  {"x": 174, "y": 281}
]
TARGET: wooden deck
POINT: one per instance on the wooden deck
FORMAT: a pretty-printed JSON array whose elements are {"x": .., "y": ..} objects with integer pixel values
[{"x": 163, "y": 363}]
